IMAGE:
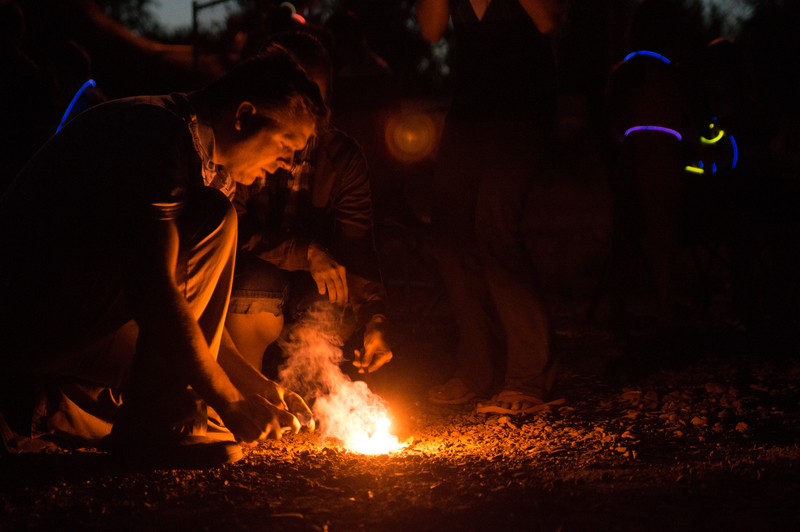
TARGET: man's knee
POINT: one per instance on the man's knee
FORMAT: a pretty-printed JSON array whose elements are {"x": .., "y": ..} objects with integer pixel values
[{"x": 258, "y": 286}]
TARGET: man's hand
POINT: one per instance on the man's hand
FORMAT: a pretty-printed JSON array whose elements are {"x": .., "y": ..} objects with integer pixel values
[
  {"x": 299, "y": 408},
  {"x": 251, "y": 383},
  {"x": 289, "y": 401},
  {"x": 377, "y": 351},
  {"x": 328, "y": 274},
  {"x": 253, "y": 418}
]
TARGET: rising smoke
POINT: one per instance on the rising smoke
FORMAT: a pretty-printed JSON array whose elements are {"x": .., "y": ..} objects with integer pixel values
[{"x": 346, "y": 410}]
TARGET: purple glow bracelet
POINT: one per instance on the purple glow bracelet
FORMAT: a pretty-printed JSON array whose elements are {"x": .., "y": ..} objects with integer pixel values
[{"x": 654, "y": 128}]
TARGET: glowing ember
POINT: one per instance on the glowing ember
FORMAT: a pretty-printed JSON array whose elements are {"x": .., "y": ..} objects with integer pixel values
[
  {"x": 346, "y": 410},
  {"x": 357, "y": 417}
]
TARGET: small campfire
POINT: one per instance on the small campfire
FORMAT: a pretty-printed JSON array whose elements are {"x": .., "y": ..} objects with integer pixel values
[
  {"x": 346, "y": 410},
  {"x": 357, "y": 417}
]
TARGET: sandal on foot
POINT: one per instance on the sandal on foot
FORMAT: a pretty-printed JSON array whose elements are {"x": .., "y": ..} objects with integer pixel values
[
  {"x": 453, "y": 392},
  {"x": 511, "y": 402}
]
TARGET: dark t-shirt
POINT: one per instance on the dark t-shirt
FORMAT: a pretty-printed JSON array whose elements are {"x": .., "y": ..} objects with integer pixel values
[
  {"x": 646, "y": 91},
  {"x": 325, "y": 199},
  {"x": 504, "y": 66},
  {"x": 84, "y": 193}
]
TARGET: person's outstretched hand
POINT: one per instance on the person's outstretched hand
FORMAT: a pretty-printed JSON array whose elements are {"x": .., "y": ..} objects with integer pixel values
[
  {"x": 289, "y": 401},
  {"x": 329, "y": 275},
  {"x": 377, "y": 351},
  {"x": 253, "y": 418},
  {"x": 299, "y": 408}
]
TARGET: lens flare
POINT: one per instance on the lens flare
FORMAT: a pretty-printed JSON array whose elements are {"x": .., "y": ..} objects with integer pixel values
[{"x": 410, "y": 136}]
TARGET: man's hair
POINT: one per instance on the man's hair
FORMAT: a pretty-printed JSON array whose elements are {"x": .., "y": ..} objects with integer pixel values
[
  {"x": 307, "y": 50},
  {"x": 275, "y": 84}
]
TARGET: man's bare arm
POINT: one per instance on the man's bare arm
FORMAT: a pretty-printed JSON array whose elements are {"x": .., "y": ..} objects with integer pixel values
[
  {"x": 433, "y": 16},
  {"x": 251, "y": 382},
  {"x": 168, "y": 328},
  {"x": 162, "y": 313}
]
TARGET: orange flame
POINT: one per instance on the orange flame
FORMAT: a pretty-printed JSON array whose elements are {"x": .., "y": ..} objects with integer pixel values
[
  {"x": 357, "y": 417},
  {"x": 346, "y": 410}
]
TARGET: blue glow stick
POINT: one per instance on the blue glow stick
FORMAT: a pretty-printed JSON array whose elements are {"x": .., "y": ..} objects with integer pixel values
[
  {"x": 735, "y": 151},
  {"x": 654, "y": 128},
  {"x": 651, "y": 54},
  {"x": 72, "y": 103}
]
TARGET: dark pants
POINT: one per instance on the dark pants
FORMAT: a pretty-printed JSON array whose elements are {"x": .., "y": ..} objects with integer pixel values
[{"x": 482, "y": 183}]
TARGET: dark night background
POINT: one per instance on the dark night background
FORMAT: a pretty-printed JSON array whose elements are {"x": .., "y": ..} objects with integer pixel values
[
  {"x": 706, "y": 441},
  {"x": 589, "y": 42}
]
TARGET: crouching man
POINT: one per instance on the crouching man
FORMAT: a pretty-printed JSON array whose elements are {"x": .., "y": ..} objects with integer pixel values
[
  {"x": 308, "y": 232},
  {"x": 116, "y": 265}
]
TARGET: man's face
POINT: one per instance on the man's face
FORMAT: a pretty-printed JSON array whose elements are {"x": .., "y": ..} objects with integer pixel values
[{"x": 267, "y": 150}]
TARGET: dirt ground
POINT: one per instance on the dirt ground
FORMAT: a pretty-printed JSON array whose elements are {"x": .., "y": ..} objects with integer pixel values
[
  {"x": 707, "y": 439},
  {"x": 706, "y": 444}
]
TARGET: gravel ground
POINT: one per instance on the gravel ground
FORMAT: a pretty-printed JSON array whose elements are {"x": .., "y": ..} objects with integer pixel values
[{"x": 710, "y": 445}]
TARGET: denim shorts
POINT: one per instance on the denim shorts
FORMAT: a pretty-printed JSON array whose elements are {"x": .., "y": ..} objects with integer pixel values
[{"x": 258, "y": 286}]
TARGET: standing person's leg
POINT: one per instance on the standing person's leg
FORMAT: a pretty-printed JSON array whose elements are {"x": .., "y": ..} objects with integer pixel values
[
  {"x": 520, "y": 155},
  {"x": 255, "y": 316},
  {"x": 455, "y": 191},
  {"x": 659, "y": 178},
  {"x": 628, "y": 226}
]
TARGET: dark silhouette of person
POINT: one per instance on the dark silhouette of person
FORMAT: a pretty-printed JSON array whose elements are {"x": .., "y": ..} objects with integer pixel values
[
  {"x": 739, "y": 200},
  {"x": 352, "y": 55},
  {"x": 74, "y": 90},
  {"x": 493, "y": 147},
  {"x": 25, "y": 105},
  {"x": 649, "y": 114},
  {"x": 265, "y": 18},
  {"x": 365, "y": 92}
]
